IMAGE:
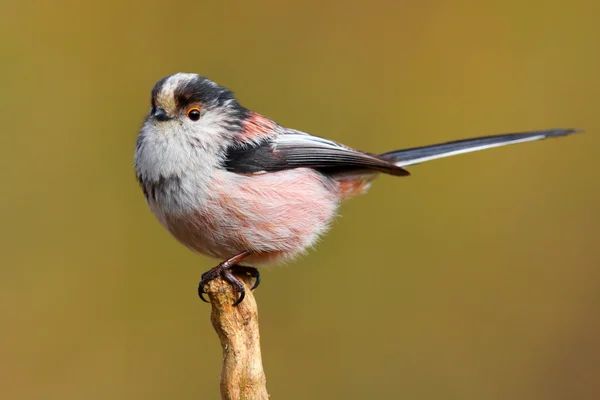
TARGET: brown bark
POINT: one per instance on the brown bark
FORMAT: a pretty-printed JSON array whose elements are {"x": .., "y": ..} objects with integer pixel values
[{"x": 242, "y": 375}]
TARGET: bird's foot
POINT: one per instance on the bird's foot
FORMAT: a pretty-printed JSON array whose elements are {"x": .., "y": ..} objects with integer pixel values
[
  {"x": 228, "y": 272},
  {"x": 248, "y": 271}
]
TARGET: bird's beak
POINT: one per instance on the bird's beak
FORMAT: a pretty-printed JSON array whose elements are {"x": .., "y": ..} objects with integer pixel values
[{"x": 161, "y": 115}]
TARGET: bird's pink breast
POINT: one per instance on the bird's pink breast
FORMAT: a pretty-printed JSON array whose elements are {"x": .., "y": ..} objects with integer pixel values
[{"x": 275, "y": 215}]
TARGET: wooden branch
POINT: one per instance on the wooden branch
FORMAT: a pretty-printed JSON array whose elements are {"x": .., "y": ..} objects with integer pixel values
[{"x": 242, "y": 375}]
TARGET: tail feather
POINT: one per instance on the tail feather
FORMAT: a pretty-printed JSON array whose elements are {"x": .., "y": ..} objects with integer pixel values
[{"x": 416, "y": 155}]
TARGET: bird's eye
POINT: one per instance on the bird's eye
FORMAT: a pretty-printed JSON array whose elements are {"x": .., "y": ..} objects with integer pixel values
[{"x": 194, "y": 114}]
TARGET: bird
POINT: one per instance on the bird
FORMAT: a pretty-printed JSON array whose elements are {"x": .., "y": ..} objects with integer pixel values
[{"x": 232, "y": 184}]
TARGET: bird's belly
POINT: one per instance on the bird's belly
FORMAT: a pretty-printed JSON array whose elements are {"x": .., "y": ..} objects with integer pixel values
[{"x": 275, "y": 215}]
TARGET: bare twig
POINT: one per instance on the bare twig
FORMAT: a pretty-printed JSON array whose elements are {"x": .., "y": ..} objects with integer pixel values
[{"x": 242, "y": 375}]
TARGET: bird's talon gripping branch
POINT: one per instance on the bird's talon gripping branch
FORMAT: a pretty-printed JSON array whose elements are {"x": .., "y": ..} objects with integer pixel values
[
  {"x": 201, "y": 295},
  {"x": 238, "y": 286},
  {"x": 249, "y": 271},
  {"x": 226, "y": 270}
]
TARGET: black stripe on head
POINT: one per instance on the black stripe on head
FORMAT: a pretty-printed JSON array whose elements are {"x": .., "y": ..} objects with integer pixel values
[
  {"x": 202, "y": 90},
  {"x": 156, "y": 90}
]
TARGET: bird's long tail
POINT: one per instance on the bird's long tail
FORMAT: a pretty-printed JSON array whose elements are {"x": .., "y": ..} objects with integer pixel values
[{"x": 416, "y": 155}]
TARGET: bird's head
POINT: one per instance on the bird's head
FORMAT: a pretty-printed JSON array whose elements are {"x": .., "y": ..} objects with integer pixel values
[{"x": 194, "y": 107}]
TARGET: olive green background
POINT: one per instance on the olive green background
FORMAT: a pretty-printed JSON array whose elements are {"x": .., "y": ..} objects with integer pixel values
[{"x": 476, "y": 278}]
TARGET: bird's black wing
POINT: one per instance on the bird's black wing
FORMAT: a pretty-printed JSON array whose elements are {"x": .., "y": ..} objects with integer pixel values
[{"x": 297, "y": 150}]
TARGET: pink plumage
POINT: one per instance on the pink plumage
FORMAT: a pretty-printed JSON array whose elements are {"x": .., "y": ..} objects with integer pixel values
[{"x": 254, "y": 213}]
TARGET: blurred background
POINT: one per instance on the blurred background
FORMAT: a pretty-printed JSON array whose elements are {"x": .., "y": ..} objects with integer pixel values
[{"x": 476, "y": 278}]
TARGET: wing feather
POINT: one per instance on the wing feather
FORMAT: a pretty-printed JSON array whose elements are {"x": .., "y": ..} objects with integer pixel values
[{"x": 301, "y": 150}]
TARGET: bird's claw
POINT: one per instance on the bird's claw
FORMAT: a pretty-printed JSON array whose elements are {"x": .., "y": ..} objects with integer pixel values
[
  {"x": 227, "y": 273},
  {"x": 249, "y": 271}
]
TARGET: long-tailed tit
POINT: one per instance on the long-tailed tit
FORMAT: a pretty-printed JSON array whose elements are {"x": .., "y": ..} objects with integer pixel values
[{"x": 230, "y": 183}]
